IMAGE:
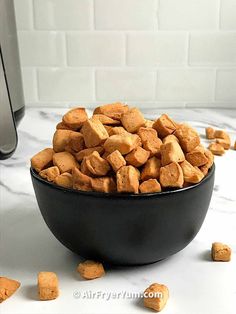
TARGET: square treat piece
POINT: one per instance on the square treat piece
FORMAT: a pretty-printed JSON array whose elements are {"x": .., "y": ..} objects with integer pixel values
[
  {"x": 61, "y": 139},
  {"x": 94, "y": 133},
  {"x": 210, "y": 133},
  {"x": 86, "y": 152},
  {"x": 104, "y": 184},
  {"x": 42, "y": 159},
  {"x": 197, "y": 157},
  {"x": 220, "y": 252},
  {"x": 150, "y": 186},
  {"x": 127, "y": 179},
  {"x": 188, "y": 137},
  {"x": 156, "y": 296},
  {"x": 151, "y": 169},
  {"x": 150, "y": 140},
  {"x": 124, "y": 143},
  {"x": 50, "y": 173},
  {"x": 64, "y": 161},
  {"x": 132, "y": 120},
  {"x": 75, "y": 118},
  {"x": 164, "y": 125},
  {"x": 171, "y": 176},
  {"x": 113, "y": 111},
  {"x": 81, "y": 181},
  {"x": 116, "y": 160},
  {"x": 216, "y": 149},
  {"x": 191, "y": 174},
  {"x": 47, "y": 285},
  {"x": 137, "y": 157},
  {"x": 7, "y": 288},
  {"x": 105, "y": 119},
  {"x": 97, "y": 165},
  {"x": 170, "y": 138},
  {"x": 171, "y": 152},
  {"x": 64, "y": 180},
  {"x": 90, "y": 269}
]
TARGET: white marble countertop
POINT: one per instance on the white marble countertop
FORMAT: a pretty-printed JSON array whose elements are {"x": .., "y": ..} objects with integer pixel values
[{"x": 197, "y": 285}]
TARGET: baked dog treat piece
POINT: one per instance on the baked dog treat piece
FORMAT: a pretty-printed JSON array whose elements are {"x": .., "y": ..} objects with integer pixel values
[
  {"x": 150, "y": 141},
  {"x": 150, "y": 186},
  {"x": 75, "y": 143},
  {"x": 197, "y": 157},
  {"x": 210, "y": 161},
  {"x": 171, "y": 152},
  {"x": 90, "y": 270},
  {"x": 116, "y": 160},
  {"x": 84, "y": 169},
  {"x": 62, "y": 126},
  {"x": 124, "y": 143},
  {"x": 220, "y": 252},
  {"x": 60, "y": 140},
  {"x": 81, "y": 181},
  {"x": 50, "y": 173},
  {"x": 210, "y": 133},
  {"x": 132, "y": 120},
  {"x": 164, "y": 125},
  {"x": 127, "y": 180},
  {"x": 7, "y": 288},
  {"x": 222, "y": 134},
  {"x": 151, "y": 169},
  {"x": 137, "y": 157},
  {"x": 64, "y": 180},
  {"x": 191, "y": 174},
  {"x": 64, "y": 161},
  {"x": 156, "y": 296},
  {"x": 216, "y": 149},
  {"x": 118, "y": 130},
  {"x": 224, "y": 143},
  {"x": 171, "y": 176},
  {"x": 105, "y": 119},
  {"x": 148, "y": 123},
  {"x": 170, "y": 138},
  {"x": 42, "y": 160},
  {"x": 87, "y": 151},
  {"x": 113, "y": 111},
  {"x": 188, "y": 137},
  {"x": 104, "y": 184},
  {"x": 75, "y": 118},
  {"x": 94, "y": 133},
  {"x": 96, "y": 164},
  {"x": 48, "y": 286}
]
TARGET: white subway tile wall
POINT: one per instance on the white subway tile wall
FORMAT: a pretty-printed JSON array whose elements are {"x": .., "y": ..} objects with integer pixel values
[{"x": 153, "y": 53}]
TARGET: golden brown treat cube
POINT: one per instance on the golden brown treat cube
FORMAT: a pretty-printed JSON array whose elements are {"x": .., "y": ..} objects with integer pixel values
[
  {"x": 171, "y": 152},
  {"x": 151, "y": 169},
  {"x": 150, "y": 140},
  {"x": 148, "y": 123},
  {"x": 224, "y": 143},
  {"x": 81, "y": 181},
  {"x": 42, "y": 159},
  {"x": 97, "y": 165},
  {"x": 86, "y": 152},
  {"x": 105, "y": 120},
  {"x": 132, "y": 120},
  {"x": 222, "y": 134},
  {"x": 216, "y": 149},
  {"x": 156, "y": 296},
  {"x": 197, "y": 158},
  {"x": 60, "y": 140},
  {"x": 75, "y": 118},
  {"x": 150, "y": 186},
  {"x": 64, "y": 180},
  {"x": 48, "y": 286},
  {"x": 64, "y": 161},
  {"x": 171, "y": 176},
  {"x": 75, "y": 143},
  {"x": 210, "y": 133},
  {"x": 164, "y": 125},
  {"x": 116, "y": 130},
  {"x": 62, "y": 126},
  {"x": 137, "y": 157},
  {"x": 113, "y": 111},
  {"x": 127, "y": 180},
  {"x": 191, "y": 174},
  {"x": 91, "y": 270},
  {"x": 94, "y": 133},
  {"x": 50, "y": 173},
  {"x": 220, "y": 252},
  {"x": 188, "y": 137},
  {"x": 116, "y": 160},
  {"x": 84, "y": 168},
  {"x": 170, "y": 138},
  {"x": 103, "y": 184},
  {"x": 7, "y": 288},
  {"x": 124, "y": 143}
]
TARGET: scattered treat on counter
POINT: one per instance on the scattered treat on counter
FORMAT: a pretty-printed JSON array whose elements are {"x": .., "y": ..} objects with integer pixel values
[
  {"x": 7, "y": 288},
  {"x": 118, "y": 150},
  {"x": 220, "y": 252},
  {"x": 48, "y": 286},
  {"x": 156, "y": 297},
  {"x": 210, "y": 133},
  {"x": 90, "y": 270}
]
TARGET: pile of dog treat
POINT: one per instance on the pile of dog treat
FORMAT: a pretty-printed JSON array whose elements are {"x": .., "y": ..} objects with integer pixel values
[
  {"x": 118, "y": 150},
  {"x": 222, "y": 141}
]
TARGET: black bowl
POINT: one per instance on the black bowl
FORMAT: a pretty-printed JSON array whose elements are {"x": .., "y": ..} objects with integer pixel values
[{"x": 124, "y": 229}]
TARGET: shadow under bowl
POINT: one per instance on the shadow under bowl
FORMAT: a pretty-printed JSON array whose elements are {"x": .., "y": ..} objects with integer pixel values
[{"x": 124, "y": 229}]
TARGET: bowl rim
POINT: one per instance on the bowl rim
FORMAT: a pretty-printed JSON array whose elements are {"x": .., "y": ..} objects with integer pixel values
[{"x": 36, "y": 176}]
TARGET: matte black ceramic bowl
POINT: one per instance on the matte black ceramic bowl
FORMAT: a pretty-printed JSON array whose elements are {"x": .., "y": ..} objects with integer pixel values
[{"x": 124, "y": 229}]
